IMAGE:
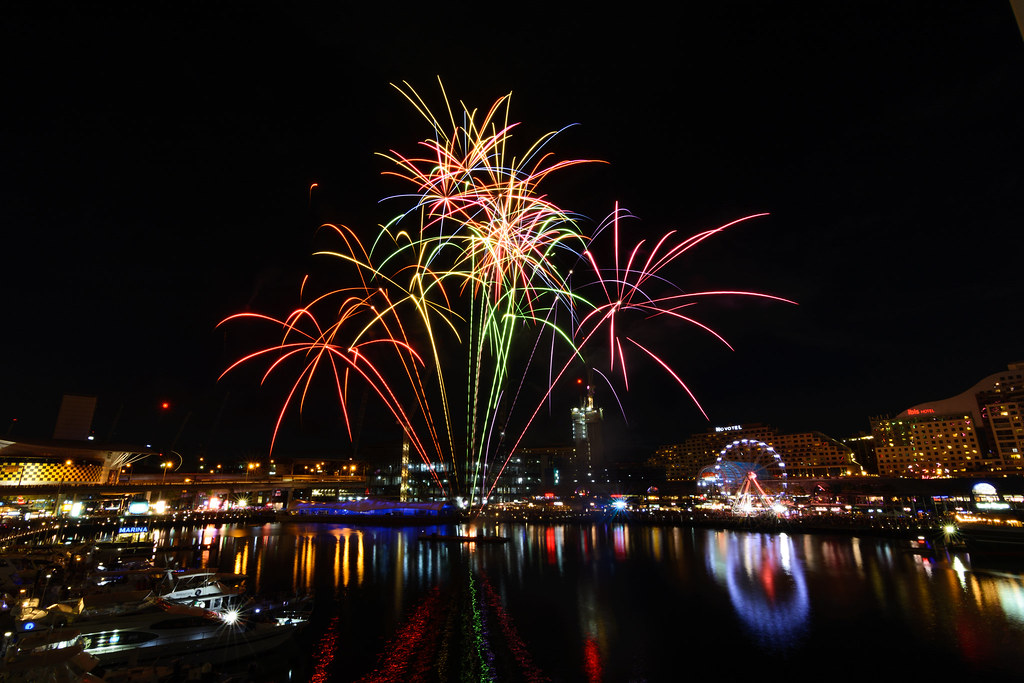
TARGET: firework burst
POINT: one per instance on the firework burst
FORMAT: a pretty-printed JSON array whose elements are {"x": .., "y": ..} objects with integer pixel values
[{"x": 472, "y": 274}]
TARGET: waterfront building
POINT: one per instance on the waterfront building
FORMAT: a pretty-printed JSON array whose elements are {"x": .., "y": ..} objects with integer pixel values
[
  {"x": 978, "y": 432},
  {"x": 863, "y": 447},
  {"x": 409, "y": 481},
  {"x": 684, "y": 461},
  {"x": 677, "y": 462},
  {"x": 588, "y": 439},
  {"x": 530, "y": 472},
  {"x": 929, "y": 445},
  {"x": 815, "y": 455},
  {"x": 71, "y": 455},
  {"x": 1002, "y": 386},
  {"x": 806, "y": 454},
  {"x": 1005, "y": 422},
  {"x": 40, "y": 462},
  {"x": 1001, "y": 400}
]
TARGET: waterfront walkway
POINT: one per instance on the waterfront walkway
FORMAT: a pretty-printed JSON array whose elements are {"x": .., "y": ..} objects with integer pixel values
[{"x": 929, "y": 526}]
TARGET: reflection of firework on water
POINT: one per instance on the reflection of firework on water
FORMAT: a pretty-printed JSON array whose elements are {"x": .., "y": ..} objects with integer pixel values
[
  {"x": 449, "y": 635},
  {"x": 325, "y": 651},
  {"x": 410, "y": 656},
  {"x": 468, "y": 287},
  {"x": 510, "y": 635}
]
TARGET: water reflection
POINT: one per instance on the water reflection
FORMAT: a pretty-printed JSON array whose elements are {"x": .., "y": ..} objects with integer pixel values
[
  {"x": 615, "y": 601},
  {"x": 765, "y": 583}
]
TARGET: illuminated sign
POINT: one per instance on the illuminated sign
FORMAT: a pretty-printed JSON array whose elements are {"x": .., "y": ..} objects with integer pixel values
[
  {"x": 138, "y": 507},
  {"x": 730, "y": 428},
  {"x": 994, "y": 506},
  {"x": 132, "y": 530},
  {"x": 921, "y": 411}
]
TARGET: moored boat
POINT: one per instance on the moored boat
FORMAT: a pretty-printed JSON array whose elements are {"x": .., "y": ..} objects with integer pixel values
[
  {"x": 997, "y": 533},
  {"x": 165, "y": 631},
  {"x": 49, "y": 656}
]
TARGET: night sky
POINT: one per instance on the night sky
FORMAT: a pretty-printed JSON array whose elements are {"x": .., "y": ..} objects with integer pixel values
[{"x": 158, "y": 164}]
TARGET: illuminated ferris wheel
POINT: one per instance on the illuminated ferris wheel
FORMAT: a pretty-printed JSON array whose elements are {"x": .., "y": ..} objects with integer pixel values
[{"x": 752, "y": 476}]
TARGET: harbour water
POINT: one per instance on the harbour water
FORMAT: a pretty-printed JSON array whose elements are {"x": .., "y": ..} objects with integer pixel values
[{"x": 620, "y": 602}]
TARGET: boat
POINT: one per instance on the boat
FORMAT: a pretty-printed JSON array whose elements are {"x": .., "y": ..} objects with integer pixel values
[
  {"x": 49, "y": 656},
  {"x": 214, "y": 591},
  {"x": 993, "y": 533},
  {"x": 21, "y": 568},
  {"x": 165, "y": 631},
  {"x": 211, "y": 591}
]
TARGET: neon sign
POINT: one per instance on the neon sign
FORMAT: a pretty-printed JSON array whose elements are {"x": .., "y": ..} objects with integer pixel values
[
  {"x": 730, "y": 428},
  {"x": 921, "y": 411}
]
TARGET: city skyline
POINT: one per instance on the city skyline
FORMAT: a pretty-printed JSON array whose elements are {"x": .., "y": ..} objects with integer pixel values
[{"x": 156, "y": 189}]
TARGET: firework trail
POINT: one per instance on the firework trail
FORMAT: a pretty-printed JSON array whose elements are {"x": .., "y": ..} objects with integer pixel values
[{"x": 472, "y": 272}]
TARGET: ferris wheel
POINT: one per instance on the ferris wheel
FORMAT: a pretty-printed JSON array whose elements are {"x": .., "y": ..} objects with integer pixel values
[{"x": 752, "y": 475}]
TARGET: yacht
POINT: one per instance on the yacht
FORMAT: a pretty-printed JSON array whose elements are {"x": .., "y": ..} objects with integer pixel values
[
  {"x": 165, "y": 631},
  {"x": 208, "y": 590},
  {"x": 48, "y": 656}
]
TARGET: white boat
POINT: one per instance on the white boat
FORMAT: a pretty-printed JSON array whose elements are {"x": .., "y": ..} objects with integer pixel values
[
  {"x": 205, "y": 589},
  {"x": 50, "y": 656},
  {"x": 165, "y": 631}
]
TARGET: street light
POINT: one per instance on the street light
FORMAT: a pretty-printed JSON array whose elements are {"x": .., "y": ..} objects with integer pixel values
[
  {"x": 63, "y": 478},
  {"x": 250, "y": 468},
  {"x": 165, "y": 465}
]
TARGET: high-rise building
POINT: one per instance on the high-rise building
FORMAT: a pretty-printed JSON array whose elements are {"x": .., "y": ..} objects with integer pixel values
[
  {"x": 1005, "y": 422},
  {"x": 863, "y": 447},
  {"x": 588, "y": 439},
  {"x": 532, "y": 472},
  {"x": 978, "y": 432},
  {"x": 684, "y": 461},
  {"x": 1001, "y": 402},
  {"x": 813, "y": 454},
  {"x": 928, "y": 445},
  {"x": 806, "y": 454}
]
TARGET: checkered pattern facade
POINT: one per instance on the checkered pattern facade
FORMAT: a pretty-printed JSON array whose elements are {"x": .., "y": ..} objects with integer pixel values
[{"x": 13, "y": 473}]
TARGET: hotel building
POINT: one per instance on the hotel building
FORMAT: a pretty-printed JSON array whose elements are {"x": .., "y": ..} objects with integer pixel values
[
  {"x": 978, "y": 432},
  {"x": 806, "y": 454}
]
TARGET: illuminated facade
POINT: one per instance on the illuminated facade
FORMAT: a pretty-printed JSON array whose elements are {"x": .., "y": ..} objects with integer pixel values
[
  {"x": 684, "y": 461},
  {"x": 531, "y": 472},
  {"x": 1001, "y": 406},
  {"x": 924, "y": 446},
  {"x": 806, "y": 454},
  {"x": 863, "y": 447},
  {"x": 588, "y": 439},
  {"x": 977, "y": 432},
  {"x": 24, "y": 463},
  {"x": 813, "y": 454},
  {"x": 1005, "y": 422},
  {"x": 1003, "y": 386},
  {"x": 70, "y": 456}
]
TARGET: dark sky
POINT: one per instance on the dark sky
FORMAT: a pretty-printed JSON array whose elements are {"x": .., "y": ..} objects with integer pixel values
[{"x": 157, "y": 166}]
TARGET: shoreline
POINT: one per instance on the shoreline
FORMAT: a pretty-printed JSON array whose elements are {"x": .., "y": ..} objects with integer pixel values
[{"x": 912, "y": 528}]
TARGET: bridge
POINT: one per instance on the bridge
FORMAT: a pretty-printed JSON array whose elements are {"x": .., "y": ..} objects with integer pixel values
[{"x": 188, "y": 491}]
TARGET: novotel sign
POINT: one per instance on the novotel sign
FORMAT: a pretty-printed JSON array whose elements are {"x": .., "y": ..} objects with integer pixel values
[{"x": 730, "y": 428}]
